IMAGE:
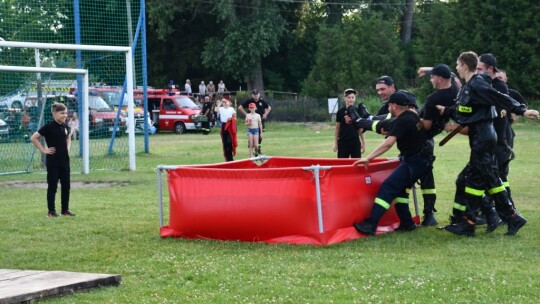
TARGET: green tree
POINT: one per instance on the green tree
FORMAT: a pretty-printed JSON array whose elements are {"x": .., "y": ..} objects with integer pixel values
[
  {"x": 507, "y": 28},
  {"x": 251, "y": 29},
  {"x": 354, "y": 57}
]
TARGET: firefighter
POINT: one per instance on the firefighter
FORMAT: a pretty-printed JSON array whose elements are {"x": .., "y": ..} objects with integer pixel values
[
  {"x": 475, "y": 110},
  {"x": 416, "y": 160}
]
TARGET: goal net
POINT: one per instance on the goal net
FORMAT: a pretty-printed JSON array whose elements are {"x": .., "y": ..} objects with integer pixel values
[{"x": 98, "y": 114}]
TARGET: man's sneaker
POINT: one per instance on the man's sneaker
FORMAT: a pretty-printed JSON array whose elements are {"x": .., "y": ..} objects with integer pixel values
[
  {"x": 430, "y": 219},
  {"x": 52, "y": 214},
  {"x": 68, "y": 213},
  {"x": 462, "y": 228},
  {"x": 366, "y": 227},
  {"x": 515, "y": 222}
]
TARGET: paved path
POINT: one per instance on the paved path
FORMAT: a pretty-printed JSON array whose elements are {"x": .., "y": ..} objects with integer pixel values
[{"x": 26, "y": 285}]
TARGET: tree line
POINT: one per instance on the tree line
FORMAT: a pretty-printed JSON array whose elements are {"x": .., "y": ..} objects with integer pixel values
[
  {"x": 318, "y": 48},
  {"x": 312, "y": 47}
]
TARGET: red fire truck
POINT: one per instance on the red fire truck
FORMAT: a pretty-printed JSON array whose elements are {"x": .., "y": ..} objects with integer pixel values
[{"x": 172, "y": 111}]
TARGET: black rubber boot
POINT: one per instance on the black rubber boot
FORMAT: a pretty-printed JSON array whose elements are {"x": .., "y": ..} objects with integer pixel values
[
  {"x": 515, "y": 222},
  {"x": 492, "y": 219},
  {"x": 429, "y": 214},
  {"x": 367, "y": 227},
  {"x": 429, "y": 219},
  {"x": 462, "y": 227},
  {"x": 363, "y": 111}
]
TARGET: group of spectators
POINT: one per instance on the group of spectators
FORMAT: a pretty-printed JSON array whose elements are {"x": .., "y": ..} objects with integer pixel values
[
  {"x": 255, "y": 110},
  {"x": 206, "y": 89},
  {"x": 482, "y": 109}
]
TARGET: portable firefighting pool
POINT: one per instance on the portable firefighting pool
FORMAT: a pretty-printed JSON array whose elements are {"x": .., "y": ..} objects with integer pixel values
[{"x": 274, "y": 199}]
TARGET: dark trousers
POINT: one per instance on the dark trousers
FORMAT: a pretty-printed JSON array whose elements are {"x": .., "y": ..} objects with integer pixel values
[
  {"x": 427, "y": 185},
  {"x": 226, "y": 140},
  {"x": 349, "y": 148},
  {"x": 57, "y": 173},
  {"x": 481, "y": 174},
  {"x": 410, "y": 169}
]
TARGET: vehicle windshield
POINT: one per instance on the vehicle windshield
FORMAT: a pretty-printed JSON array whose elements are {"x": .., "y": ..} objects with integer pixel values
[
  {"x": 97, "y": 103},
  {"x": 186, "y": 102},
  {"x": 112, "y": 97}
]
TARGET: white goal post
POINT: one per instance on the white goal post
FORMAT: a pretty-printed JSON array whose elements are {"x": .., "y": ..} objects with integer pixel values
[{"x": 84, "y": 73}]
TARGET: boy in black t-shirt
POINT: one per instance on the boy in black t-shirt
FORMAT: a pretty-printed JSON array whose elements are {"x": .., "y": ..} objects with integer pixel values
[
  {"x": 58, "y": 139},
  {"x": 347, "y": 142}
]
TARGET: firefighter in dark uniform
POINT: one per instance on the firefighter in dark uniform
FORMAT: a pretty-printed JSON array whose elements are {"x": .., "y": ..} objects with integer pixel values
[
  {"x": 416, "y": 159},
  {"x": 207, "y": 113},
  {"x": 433, "y": 123},
  {"x": 503, "y": 151},
  {"x": 445, "y": 94},
  {"x": 385, "y": 87},
  {"x": 475, "y": 110}
]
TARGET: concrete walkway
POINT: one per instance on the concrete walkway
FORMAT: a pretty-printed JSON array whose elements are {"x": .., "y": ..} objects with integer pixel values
[{"x": 26, "y": 285}]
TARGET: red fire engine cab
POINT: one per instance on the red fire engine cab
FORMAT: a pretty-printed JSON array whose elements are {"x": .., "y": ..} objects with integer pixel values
[{"x": 172, "y": 111}]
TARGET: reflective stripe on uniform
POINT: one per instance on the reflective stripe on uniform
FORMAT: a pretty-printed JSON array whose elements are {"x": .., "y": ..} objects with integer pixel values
[
  {"x": 459, "y": 207},
  {"x": 464, "y": 109},
  {"x": 496, "y": 190},
  {"x": 429, "y": 191},
  {"x": 374, "y": 125},
  {"x": 474, "y": 192},
  {"x": 382, "y": 203},
  {"x": 402, "y": 200}
]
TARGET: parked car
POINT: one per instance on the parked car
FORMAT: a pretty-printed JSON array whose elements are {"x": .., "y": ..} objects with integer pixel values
[
  {"x": 172, "y": 111},
  {"x": 4, "y": 130},
  {"x": 101, "y": 115}
]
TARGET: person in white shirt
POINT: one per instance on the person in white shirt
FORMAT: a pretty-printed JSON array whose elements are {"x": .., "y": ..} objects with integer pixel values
[{"x": 227, "y": 116}]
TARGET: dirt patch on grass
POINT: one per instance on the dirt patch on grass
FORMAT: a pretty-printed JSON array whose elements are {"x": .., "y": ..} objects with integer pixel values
[
  {"x": 318, "y": 126},
  {"x": 74, "y": 185}
]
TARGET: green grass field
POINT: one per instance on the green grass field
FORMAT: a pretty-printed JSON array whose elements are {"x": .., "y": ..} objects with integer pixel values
[{"x": 116, "y": 231}]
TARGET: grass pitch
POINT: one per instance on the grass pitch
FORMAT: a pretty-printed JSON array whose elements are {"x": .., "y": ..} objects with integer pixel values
[{"x": 116, "y": 230}]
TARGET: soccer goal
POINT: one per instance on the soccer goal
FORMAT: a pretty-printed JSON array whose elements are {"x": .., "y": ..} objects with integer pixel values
[{"x": 15, "y": 108}]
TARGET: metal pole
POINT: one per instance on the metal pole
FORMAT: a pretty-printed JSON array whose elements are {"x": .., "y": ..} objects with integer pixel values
[
  {"x": 415, "y": 200},
  {"x": 160, "y": 196},
  {"x": 315, "y": 170}
]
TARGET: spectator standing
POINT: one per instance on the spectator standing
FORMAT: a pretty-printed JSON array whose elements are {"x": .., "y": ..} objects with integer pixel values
[
  {"x": 263, "y": 109},
  {"x": 74, "y": 126},
  {"x": 227, "y": 115},
  {"x": 58, "y": 140},
  {"x": 254, "y": 125},
  {"x": 348, "y": 141},
  {"x": 221, "y": 87},
  {"x": 187, "y": 87},
  {"x": 202, "y": 91},
  {"x": 211, "y": 89}
]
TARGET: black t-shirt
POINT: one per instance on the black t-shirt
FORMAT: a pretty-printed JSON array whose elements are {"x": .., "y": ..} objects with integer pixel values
[
  {"x": 56, "y": 136},
  {"x": 444, "y": 97},
  {"x": 410, "y": 133},
  {"x": 383, "y": 109},
  {"x": 207, "y": 106},
  {"x": 347, "y": 132},
  {"x": 261, "y": 106}
]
